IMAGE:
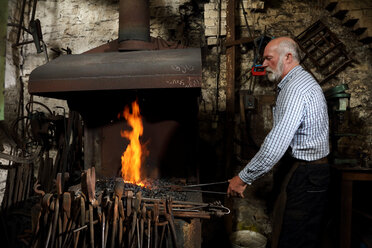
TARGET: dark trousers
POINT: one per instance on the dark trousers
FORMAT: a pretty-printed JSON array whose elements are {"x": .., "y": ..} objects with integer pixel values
[{"x": 301, "y": 206}]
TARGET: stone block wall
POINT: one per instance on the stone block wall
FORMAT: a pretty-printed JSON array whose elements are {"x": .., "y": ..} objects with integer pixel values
[
  {"x": 290, "y": 18},
  {"x": 215, "y": 17}
]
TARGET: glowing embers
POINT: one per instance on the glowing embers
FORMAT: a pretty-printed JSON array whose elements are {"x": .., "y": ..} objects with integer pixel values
[{"x": 135, "y": 153}]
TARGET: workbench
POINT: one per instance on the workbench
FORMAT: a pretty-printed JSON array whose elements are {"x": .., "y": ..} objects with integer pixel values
[{"x": 348, "y": 176}]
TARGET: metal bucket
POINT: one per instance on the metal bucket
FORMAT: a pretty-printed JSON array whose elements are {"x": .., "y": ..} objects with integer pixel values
[{"x": 247, "y": 239}]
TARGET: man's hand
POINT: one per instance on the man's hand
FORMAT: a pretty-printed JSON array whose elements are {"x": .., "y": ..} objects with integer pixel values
[{"x": 236, "y": 187}]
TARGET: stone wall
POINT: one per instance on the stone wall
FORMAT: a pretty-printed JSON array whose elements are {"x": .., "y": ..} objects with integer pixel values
[
  {"x": 284, "y": 18},
  {"x": 290, "y": 18},
  {"x": 12, "y": 85}
]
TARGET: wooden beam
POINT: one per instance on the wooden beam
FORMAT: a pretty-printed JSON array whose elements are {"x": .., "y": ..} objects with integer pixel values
[
  {"x": 3, "y": 30},
  {"x": 242, "y": 40},
  {"x": 230, "y": 82}
]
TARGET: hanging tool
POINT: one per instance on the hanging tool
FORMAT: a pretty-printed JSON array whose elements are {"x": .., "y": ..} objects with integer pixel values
[
  {"x": 258, "y": 70},
  {"x": 91, "y": 185},
  {"x": 170, "y": 218},
  {"x": 246, "y": 23}
]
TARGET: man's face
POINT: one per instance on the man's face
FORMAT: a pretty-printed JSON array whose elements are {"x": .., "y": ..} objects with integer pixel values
[{"x": 273, "y": 63}]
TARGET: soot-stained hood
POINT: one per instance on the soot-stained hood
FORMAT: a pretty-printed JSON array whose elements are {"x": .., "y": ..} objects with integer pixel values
[{"x": 134, "y": 61}]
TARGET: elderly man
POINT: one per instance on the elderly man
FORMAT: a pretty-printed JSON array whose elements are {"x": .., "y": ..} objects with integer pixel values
[{"x": 300, "y": 138}]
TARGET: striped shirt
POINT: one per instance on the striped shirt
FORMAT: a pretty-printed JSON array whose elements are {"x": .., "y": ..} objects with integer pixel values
[{"x": 300, "y": 122}]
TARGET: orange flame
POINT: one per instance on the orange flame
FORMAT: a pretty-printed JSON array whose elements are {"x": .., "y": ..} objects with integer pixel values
[{"x": 131, "y": 160}]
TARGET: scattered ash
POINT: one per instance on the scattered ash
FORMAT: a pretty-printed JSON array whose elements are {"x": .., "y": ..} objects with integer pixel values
[{"x": 157, "y": 188}]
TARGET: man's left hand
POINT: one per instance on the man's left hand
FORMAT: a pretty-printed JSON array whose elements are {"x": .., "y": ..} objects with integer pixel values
[{"x": 236, "y": 187}]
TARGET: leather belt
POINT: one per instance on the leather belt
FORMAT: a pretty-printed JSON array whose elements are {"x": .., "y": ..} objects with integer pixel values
[{"x": 319, "y": 161}]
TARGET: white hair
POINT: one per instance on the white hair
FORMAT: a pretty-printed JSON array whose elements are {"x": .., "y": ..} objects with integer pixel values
[{"x": 289, "y": 46}]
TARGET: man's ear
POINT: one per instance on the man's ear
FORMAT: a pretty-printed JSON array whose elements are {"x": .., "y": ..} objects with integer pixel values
[{"x": 288, "y": 58}]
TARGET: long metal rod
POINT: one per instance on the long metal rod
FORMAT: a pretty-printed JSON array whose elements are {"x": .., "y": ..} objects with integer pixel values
[
  {"x": 204, "y": 184},
  {"x": 245, "y": 19},
  {"x": 202, "y": 191},
  {"x": 256, "y": 52},
  {"x": 21, "y": 20},
  {"x": 33, "y": 10}
]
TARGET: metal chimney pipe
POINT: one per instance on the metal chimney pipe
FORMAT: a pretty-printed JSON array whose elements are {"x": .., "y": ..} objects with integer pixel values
[{"x": 134, "y": 25}]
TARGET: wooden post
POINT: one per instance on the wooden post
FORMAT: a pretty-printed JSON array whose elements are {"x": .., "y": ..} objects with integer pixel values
[
  {"x": 3, "y": 25},
  {"x": 230, "y": 82}
]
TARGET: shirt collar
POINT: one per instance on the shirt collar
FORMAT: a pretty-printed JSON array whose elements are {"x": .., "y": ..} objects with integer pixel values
[{"x": 289, "y": 76}]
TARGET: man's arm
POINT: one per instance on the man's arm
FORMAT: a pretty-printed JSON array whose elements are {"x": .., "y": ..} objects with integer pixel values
[{"x": 289, "y": 113}]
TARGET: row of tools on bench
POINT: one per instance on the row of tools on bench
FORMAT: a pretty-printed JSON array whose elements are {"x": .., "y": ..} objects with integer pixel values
[{"x": 86, "y": 218}]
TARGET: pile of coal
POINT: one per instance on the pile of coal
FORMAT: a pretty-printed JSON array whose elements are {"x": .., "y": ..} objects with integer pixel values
[{"x": 157, "y": 188}]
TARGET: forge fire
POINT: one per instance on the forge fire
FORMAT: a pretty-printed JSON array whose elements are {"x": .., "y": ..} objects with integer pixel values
[{"x": 135, "y": 153}]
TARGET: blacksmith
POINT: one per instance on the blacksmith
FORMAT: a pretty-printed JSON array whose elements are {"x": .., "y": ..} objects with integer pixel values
[{"x": 300, "y": 139}]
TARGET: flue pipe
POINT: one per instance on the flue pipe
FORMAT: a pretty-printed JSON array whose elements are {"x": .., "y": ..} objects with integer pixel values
[{"x": 134, "y": 25}]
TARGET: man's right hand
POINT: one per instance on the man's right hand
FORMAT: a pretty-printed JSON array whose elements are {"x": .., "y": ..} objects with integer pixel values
[{"x": 236, "y": 187}]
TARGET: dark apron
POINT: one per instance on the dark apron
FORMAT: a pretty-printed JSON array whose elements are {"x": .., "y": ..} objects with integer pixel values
[{"x": 300, "y": 207}]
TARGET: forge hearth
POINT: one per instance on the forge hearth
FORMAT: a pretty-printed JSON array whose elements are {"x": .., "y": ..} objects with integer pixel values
[
  {"x": 164, "y": 77},
  {"x": 169, "y": 131}
]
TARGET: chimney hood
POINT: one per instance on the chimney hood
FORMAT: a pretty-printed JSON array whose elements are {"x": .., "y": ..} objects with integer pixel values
[
  {"x": 132, "y": 62},
  {"x": 173, "y": 68}
]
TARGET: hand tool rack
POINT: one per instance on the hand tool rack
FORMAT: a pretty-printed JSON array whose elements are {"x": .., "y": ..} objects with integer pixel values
[{"x": 120, "y": 218}]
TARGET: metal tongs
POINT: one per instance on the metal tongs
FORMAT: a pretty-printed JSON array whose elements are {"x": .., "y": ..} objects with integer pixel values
[{"x": 185, "y": 188}]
